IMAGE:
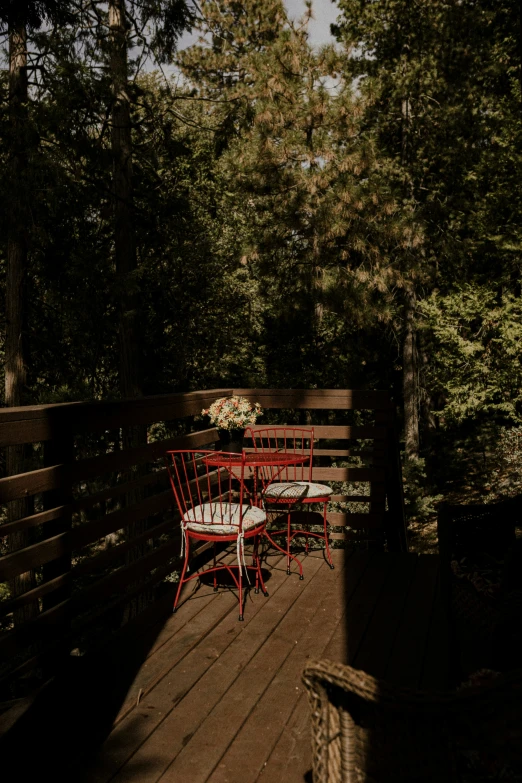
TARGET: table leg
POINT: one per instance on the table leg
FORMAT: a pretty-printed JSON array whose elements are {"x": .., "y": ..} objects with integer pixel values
[{"x": 289, "y": 555}]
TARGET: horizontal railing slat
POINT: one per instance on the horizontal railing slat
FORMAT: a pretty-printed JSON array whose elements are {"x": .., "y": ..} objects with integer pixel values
[
  {"x": 368, "y": 453},
  {"x": 37, "y": 592},
  {"x": 345, "y": 432},
  {"x": 349, "y": 474},
  {"x": 158, "y": 575},
  {"x": 150, "y": 479},
  {"x": 43, "y": 422},
  {"x": 355, "y": 520},
  {"x": 33, "y": 556},
  {"x": 63, "y": 544},
  {"x": 123, "y": 460},
  {"x": 349, "y": 432},
  {"x": 83, "y": 535},
  {"x": 104, "y": 586},
  {"x": 33, "y": 483},
  {"x": 46, "y": 479},
  {"x": 355, "y": 535},
  {"x": 326, "y": 399},
  {"x": 104, "y": 559},
  {"x": 334, "y": 518},
  {"x": 351, "y": 498},
  {"x": 53, "y": 514}
]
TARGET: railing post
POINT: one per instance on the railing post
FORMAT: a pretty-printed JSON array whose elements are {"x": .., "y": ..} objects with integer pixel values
[
  {"x": 378, "y": 488},
  {"x": 18, "y": 461},
  {"x": 396, "y": 534},
  {"x": 58, "y": 451},
  {"x": 444, "y": 535}
]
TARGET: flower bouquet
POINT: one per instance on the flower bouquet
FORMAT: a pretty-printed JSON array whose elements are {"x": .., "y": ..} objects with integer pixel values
[{"x": 230, "y": 415}]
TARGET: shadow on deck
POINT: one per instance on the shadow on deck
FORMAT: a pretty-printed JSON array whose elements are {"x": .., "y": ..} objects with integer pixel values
[{"x": 202, "y": 697}]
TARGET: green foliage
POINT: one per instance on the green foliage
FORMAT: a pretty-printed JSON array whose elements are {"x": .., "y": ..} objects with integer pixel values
[
  {"x": 506, "y": 461},
  {"x": 34, "y": 12},
  {"x": 284, "y": 213},
  {"x": 419, "y": 502},
  {"x": 321, "y": 224},
  {"x": 440, "y": 100},
  {"x": 442, "y": 82},
  {"x": 476, "y": 345}
]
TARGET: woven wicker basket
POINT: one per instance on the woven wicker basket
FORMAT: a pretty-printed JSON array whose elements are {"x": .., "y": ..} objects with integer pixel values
[{"x": 367, "y": 731}]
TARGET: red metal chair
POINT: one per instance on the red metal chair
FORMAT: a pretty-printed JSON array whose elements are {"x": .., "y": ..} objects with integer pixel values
[
  {"x": 211, "y": 507},
  {"x": 291, "y": 485}
]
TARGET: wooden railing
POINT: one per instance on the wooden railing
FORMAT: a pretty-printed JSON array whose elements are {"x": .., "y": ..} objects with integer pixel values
[{"x": 89, "y": 564}]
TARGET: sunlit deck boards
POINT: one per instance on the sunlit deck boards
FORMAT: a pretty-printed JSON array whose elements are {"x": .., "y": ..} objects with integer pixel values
[{"x": 222, "y": 701}]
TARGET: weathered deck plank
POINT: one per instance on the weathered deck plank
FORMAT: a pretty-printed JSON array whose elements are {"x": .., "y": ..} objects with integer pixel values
[
  {"x": 203, "y": 678},
  {"x": 190, "y": 654},
  {"x": 360, "y": 609},
  {"x": 291, "y": 759},
  {"x": 436, "y": 672},
  {"x": 384, "y": 624},
  {"x": 233, "y": 685},
  {"x": 203, "y": 609},
  {"x": 251, "y": 747},
  {"x": 407, "y": 657},
  {"x": 224, "y": 701}
]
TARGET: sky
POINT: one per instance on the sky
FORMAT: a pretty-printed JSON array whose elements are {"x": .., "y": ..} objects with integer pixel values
[{"x": 325, "y": 13}]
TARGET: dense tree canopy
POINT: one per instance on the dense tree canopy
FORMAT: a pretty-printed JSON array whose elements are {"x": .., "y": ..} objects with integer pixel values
[{"x": 339, "y": 216}]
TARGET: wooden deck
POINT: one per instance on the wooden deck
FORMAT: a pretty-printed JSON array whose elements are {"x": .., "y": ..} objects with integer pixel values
[
  {"x": 99, "y": 536},
  {"x": 222, "y": 701}
]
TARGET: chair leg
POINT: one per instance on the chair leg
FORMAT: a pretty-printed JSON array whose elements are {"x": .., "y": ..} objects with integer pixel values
[
  {"x": 285, "y": 550},
  {"x": 183, "y": 571},
  {"x": 257, "y": 563},
  {"x": 255, "y": 554},
  {"x": 326, "y": 544},
  {"x": 240, "y": 580},
  {"x": 215, "y": 572},
  {"x": 288, "y": 542}
]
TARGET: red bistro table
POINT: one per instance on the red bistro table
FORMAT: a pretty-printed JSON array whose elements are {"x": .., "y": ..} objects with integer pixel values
[{"x": 257, "y": 460}]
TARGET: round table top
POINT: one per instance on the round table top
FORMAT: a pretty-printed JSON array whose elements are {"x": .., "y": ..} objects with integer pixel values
[{"x": 257, "y": 459}]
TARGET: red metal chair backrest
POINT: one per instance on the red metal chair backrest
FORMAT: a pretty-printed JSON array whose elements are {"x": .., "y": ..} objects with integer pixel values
[
  {"x": 196, "y": 481},
  {"x": 292, "y": 440}
]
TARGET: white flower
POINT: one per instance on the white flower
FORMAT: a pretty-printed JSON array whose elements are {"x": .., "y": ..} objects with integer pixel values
[{"x": 232, "y": 413}]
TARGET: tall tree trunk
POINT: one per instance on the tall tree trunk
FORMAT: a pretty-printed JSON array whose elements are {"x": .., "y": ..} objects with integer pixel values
[
  {"x": 16, "y": 305},
  {"x": 520, "y": 44},
  {"x": 410, "y": 381},
  {"x": 405, "y": 131},
  {"x": 427, "y": 420},
  {"x": 15, "y": 365},
  {"x": 124, "y": 236},
  {"x": 317, "y": 290},
  {"x": 409, "y": 351},
  {"x": 126, "y": 258}
]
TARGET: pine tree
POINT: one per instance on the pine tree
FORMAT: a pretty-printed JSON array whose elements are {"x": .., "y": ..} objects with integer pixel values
[
  {"x": 442, "y": 88},
  {"x": 288, "y": 125}
]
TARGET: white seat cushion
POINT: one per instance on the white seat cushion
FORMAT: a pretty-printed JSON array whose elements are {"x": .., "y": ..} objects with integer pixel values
[
  {"x": 296, "y": 490},
  {"x": 222, "y": 519}
]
